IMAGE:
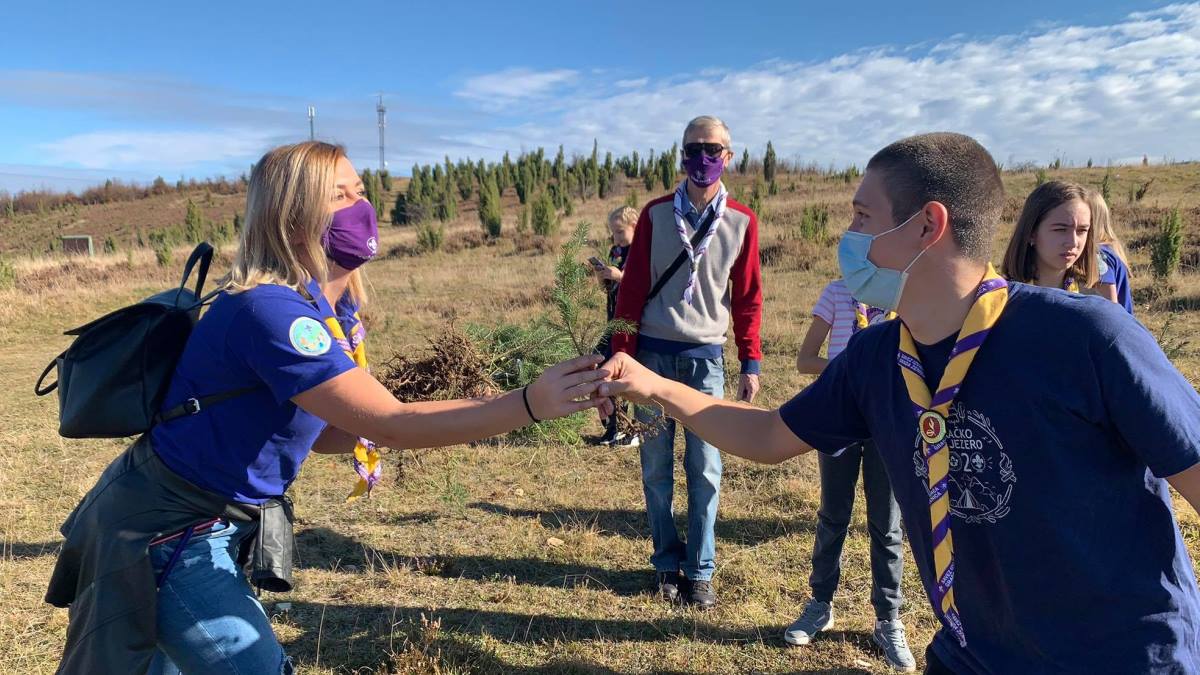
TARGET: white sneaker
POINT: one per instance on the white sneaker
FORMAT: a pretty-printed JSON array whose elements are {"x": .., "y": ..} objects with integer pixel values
[
  {"x": 623, "y": 441},
  {"x": 817, "y": 616},
  {"x": 889, "y": 636}
]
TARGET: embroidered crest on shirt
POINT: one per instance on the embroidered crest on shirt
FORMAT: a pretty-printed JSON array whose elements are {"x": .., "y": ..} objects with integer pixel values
[
  {"x": 981, "y": 472},
  {"x": 309, "y": 337}
]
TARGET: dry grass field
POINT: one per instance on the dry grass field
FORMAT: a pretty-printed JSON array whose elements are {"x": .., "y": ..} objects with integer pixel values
[{"x": 494, "y": 557}]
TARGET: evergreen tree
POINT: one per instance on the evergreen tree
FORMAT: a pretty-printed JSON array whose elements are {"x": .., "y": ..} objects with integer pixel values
[
  {"x": 447, "y": 206},
  {"x": 490, "y": 214},
  {"x": 769, "y": 163},
  {"x": 666, "y": 171},
  {"x": 544, "y": 216},
  {"x": 525, "y": 183},
  {"x": 1167, "y": 246},
  {"x": 193, "y": 223}
]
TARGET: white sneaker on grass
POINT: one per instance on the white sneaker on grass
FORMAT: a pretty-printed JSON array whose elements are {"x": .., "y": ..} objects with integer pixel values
[
  {"x": 889, "y": 636},
  {"x": 816, "y": 617}
]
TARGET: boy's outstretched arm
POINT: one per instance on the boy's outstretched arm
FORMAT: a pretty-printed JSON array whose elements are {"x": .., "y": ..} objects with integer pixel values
[
  {"x": 737, "y": 428},
  {"x": 1188, "y": 484}
]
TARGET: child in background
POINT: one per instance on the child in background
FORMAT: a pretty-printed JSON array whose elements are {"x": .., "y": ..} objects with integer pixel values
[
  {"x": 1114, "y": 272},
  {"x": 1053, "y": 244},
  {"x": 621, "y": 225},
  {"x": 838, "y": 316}
]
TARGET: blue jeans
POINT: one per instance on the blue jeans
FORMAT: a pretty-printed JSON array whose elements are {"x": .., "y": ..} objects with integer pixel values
[
  {"x": 208, "y": 618},
  {"x": 702, "y": 465}
]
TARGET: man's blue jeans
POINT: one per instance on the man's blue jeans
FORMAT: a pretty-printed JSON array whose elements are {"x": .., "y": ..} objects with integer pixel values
[{"x": 702, "y": 465}]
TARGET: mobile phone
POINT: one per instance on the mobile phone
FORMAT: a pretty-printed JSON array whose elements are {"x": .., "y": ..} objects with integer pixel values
[{"x": 597, "y": 263}]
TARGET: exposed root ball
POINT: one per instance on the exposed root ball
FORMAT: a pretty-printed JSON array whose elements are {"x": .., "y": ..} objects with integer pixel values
[{"x": 451, "y": 367}]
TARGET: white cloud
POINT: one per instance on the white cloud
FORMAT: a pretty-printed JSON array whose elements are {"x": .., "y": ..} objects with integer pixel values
[
  {"x": 1105, "y": 92},
  {"x": 165, "y": 150},
  {"x": 635, "y": 83},
  {"x": 494, "y": 91}
]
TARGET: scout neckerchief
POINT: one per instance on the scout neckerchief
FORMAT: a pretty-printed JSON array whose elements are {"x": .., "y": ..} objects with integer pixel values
[
  {"x": 931, "y": 413},
  {"x": 1070, "y": 285},
  {"x": 694, "y": 255},
  {"x": 367, "y": 462},
  {"x": 864, "y": 316}
]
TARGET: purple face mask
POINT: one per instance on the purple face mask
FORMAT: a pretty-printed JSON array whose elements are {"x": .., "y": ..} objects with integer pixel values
[
  {"x": 352, "y": 238},
  {"x": 704, "y": 170}
]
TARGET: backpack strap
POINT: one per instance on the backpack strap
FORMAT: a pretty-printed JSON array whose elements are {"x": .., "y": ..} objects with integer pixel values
[
  {"x": 683, "y": 255},
  {"x": 37, "y": 386},
  {"x": 193, "y": 406},
  {"x": 202, "y": 254}
]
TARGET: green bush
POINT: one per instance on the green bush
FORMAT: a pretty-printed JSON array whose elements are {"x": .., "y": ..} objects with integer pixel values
[
  {"x": 8, "y": 274},
  {"x": 193, "y": 224},
  {"x": 430, "y": 236},
  {"x": 814, "y": 223},
  {"x": 769, "y": 164},
  {"x": 544, "y": 218},
  {"x": 1167, "y": 246},
  {"x": 490, "y": 215},
  {"x": 523, "y": 219},
  {"x": 162, "y": 254},
  {"x": 447, "y": 205},
  {"x": 220, "y": 234}
]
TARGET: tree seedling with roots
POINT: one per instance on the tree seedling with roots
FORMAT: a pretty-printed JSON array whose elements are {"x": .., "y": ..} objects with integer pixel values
[{"x": 578, "y": 307}]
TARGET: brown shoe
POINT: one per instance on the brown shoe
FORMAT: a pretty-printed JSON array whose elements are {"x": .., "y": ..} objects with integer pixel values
[
  {"x": 701, "y": 595},
  {"x": 668, "y": 585}
]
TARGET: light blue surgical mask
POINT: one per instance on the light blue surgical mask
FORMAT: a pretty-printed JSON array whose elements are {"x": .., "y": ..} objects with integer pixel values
[{"x": 868, "y": 283}]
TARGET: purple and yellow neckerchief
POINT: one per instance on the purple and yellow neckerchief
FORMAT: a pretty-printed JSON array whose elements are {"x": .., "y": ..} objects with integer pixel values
[
  {"x": 367, "y": 462},
  {"x": 1069, "y": 284},
  {"x": 865, "y": 315},
  {"x": 695, "y": 254},
  {"x": 931, "y": 412}
]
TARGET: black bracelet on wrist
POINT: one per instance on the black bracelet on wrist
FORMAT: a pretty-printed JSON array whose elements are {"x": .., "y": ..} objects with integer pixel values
[{"x": 525, "y": 398}]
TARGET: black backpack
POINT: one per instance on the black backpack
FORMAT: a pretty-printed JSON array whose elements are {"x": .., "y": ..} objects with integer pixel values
[{"x": 112, "y": 379}]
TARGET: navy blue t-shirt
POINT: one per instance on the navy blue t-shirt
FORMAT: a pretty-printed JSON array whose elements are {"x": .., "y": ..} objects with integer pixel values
[
  {"x": 1117, "y": 274},
  {"x": 1068, "y": 555},
  {"x": 250, "y": 448}
]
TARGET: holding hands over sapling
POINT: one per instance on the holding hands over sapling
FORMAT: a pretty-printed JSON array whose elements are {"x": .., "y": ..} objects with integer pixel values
[{"x": 734, "y": 426}]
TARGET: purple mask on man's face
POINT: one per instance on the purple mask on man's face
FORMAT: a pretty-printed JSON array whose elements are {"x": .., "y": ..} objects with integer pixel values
[
  {"x": 352, "y": 237},
  {"x": 704, "y": 170}
]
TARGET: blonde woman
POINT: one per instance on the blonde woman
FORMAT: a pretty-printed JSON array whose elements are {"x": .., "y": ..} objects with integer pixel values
[
  {"x": 151, "y": 566},
  {"x": 1053, "y": 244},
  {"x": 1114, "y": 273}
]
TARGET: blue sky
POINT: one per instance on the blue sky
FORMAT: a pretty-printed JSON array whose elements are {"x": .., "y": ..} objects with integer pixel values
[{"x": 134, "y": 90}]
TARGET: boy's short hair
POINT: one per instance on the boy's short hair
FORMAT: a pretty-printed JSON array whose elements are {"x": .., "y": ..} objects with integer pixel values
[
  {"x": 623, "y": 215},
  {"x": 950, "y": 168}
]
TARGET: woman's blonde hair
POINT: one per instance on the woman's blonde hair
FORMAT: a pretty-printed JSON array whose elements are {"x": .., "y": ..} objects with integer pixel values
[
  {"x": 1020, "y": 260},
  {"x": 287, "y": 212},
  {"x": 1102, "y": 225},
  {"x": 356, "y": 286}
]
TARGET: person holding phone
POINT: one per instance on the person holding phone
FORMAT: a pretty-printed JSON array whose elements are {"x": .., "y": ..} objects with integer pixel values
[{"x": 621, "y": 223}]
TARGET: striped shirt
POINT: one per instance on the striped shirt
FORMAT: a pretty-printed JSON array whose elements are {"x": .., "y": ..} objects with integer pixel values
[{"x": 836, "y": 308}]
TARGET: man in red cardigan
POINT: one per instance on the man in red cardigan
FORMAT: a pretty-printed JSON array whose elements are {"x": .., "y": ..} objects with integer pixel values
[{"x": 693, "y": 268}]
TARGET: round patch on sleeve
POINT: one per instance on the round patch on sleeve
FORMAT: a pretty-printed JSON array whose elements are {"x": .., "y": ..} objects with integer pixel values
[{"x": 309, "y": 337}]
